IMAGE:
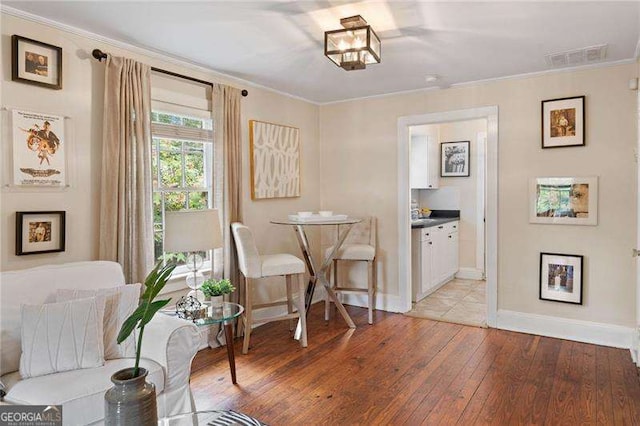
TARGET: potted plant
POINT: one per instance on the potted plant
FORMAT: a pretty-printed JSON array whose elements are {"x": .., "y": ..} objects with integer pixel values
[
  {"x": 216, "y": 289},
  {"x": 132, "y": 401}
]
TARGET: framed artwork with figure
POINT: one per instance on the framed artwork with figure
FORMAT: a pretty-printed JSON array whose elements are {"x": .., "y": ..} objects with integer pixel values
[
  {"x": 561, "y": 277},
  {"x": 564, "y": 200},
  {"x": 35, "y": 62},
  {"x": 454, "y": 159},
  {"x": 563, "y": 122},
  {"x": 40, "y": 232}
]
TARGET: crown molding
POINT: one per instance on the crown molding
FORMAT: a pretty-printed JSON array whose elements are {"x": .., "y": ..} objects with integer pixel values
[{"x": 143, "y": 50}]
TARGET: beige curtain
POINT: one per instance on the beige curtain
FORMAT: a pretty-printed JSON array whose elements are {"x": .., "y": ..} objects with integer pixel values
[
  {"x": 126, "y": 216},
  {"x": 227, "y": 127}
]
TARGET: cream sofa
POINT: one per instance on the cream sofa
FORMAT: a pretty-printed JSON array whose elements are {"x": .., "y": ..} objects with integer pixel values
[{"x": 167, "y": 351}]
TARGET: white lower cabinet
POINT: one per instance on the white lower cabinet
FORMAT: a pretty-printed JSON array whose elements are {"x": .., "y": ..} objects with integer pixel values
[{"x": 434, "y": 258}]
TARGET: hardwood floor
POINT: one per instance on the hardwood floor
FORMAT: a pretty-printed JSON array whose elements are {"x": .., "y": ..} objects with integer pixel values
[{"x": 404, "y": 370}]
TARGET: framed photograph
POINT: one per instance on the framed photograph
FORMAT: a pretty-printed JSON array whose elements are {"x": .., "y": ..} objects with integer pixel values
[
  {"x": 564, "y": 200},
  {"x": 274, "y": 153},
  {"x": 40, "y": 232},
  {"x": 39, "y": 154},
  {"x": 563, "y": 122},
  {"x": 561, "y": 277},
  {"x": 35, "y": 62},
  {"x": 454, "y": 159}
]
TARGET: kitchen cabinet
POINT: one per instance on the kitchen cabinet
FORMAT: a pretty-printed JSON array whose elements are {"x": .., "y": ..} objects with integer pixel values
[
  {"x": 434, "y": 258},
  {"x": 424, "y": 162}
]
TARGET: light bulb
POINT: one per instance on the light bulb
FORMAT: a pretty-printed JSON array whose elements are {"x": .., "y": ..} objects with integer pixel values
[{"x": 343, "y": 45}]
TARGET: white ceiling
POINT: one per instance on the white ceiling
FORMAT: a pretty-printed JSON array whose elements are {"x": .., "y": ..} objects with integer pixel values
[{"x": 279, "y": 44}]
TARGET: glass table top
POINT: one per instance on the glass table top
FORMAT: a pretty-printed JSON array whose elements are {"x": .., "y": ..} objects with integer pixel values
[
  {"x": 328, "y": 221},
  {"x": 214, "y": 314}
]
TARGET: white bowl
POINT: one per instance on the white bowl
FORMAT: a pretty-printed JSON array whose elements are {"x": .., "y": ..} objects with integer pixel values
[
  {"x": 305, "y": 214},
  {"x": 325, "y": 213}
]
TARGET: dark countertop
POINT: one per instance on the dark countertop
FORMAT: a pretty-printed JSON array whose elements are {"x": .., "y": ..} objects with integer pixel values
[{"x": 429, "y": 222}]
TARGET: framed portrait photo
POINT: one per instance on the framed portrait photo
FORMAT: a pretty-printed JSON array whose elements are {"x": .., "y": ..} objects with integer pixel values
[
  {"x": 454, "y": 159},
  {"x": 564, "y": 200},
  {"x": 561, "y": 277},
  {"x": 40, "y": 232},
  {"x": 35, "y": 62},
  {"x": 563, "y": 122}
]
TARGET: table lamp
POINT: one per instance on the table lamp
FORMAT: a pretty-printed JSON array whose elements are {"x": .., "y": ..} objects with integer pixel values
[{"x": 193, "y": 231}]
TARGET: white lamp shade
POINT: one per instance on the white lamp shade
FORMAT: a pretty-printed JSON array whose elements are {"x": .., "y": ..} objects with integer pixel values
[{"x": 192, "y": 230}]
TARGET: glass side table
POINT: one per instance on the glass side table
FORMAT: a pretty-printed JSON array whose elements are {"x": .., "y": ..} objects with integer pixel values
[{"x": 225, "y": 315}]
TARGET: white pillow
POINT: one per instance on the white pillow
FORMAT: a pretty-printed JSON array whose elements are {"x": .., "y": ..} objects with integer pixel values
[
  {"x": 120, "y": 302},
  {"x": 62, "y": 336}
]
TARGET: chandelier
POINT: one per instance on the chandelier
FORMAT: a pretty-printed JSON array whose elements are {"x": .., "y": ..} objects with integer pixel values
[{"x": 355, "y": 46}]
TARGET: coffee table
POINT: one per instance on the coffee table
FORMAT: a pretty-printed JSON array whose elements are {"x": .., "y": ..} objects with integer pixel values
[{"x": 225, "y": 315}]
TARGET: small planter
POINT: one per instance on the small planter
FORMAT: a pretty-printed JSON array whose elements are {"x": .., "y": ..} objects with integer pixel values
[
  {"x": 217, "y": 301},
  {"x": 131, "y": 401}
]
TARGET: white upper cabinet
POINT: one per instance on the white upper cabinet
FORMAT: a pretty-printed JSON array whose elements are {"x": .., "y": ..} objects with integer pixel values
[{"x": 424, "y": 157}]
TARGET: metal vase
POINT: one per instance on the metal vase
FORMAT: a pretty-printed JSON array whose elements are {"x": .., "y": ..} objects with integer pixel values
[{"x": 131, "y": 401}]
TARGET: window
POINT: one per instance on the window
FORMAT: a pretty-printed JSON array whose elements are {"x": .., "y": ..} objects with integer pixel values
[{"x": 182, "y": 171}]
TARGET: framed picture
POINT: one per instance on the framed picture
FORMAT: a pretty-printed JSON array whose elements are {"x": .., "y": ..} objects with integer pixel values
[
  {"x": 454, "y": 159},
  {"x": 564, "y": 200},
  {"x": 275, "y": 160},
  {"x": 561, "y": 277},
  {"x": 35, "y": 62},
  {"x": 40, "y": 232},
  {"x": 563, "y": 122},
  {"x": 39, "y": 153}
]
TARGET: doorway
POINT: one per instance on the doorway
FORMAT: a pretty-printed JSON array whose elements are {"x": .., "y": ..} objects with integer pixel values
[{"x": 486, "y": 260}]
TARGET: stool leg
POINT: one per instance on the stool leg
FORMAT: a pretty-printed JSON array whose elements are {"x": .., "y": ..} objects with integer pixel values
[
  {"x": 327, "y": 301},
  {"x": 247, "y": 315},
  {"x": 289, "y": 300},
  {"x": 301, "y": 310},
  {"x": 371, "y": 290}
]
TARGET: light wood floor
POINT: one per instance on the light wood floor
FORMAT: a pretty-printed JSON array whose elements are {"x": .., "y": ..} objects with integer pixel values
[{"x": 404, "y": 370}]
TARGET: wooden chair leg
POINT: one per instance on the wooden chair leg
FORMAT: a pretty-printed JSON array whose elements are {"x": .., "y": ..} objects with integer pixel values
[
  {"x": 289, "y": 300},
  {"x": 247, "y": 315},
  {"x": 371, "y": 290},
  {"x": 301, "y": 310}
]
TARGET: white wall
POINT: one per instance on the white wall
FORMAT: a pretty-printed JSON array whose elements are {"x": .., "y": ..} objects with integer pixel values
[
  {"x": 460, "y": 193},
  {"x": 368, "y": 127},
  {"x": 81, "y": 99}
]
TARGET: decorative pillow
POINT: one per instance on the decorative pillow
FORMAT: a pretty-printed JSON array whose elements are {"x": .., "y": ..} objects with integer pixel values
[
  {"x": 62, "y": 336},
  {"x": 120, "y": 302}
]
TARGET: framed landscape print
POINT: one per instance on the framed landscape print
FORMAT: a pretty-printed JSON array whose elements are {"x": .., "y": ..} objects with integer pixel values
[
  {"x": 40, "y": 232},
  {"x": 564, "y": 200},
  {"x": 563, "y": 122},
  {"x": 561, "y": 277},
  {"x": 39, "y": 151},
  {"x": 454, "y": 159},
  {"x": 35, "y": 62},
  {"x": 275, "y": 160}
]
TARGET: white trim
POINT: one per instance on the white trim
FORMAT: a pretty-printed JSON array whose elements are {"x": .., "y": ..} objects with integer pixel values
[
  {"x": 490, "y": 80},
  {"x": 384, "y": 302},
  {"x": 637, "y": 52},
  {"x": 481, "y": 199},
  {"x": 142, "y": 50},
  {"x": 469, "y": 274},
  {"x": 404, "y": 195},
  {"x": 616, "y": 336}
]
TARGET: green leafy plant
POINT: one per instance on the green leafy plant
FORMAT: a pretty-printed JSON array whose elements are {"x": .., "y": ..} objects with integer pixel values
[
  {"x": 213, "y": 287},
  {"x": 154, "y": 283}
]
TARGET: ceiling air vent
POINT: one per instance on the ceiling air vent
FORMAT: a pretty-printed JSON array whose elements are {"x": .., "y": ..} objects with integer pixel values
[{"x": 575, "y": 57}]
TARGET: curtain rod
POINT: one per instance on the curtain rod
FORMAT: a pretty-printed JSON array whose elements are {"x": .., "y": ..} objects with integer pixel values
[{"x": 100, "y": 55}]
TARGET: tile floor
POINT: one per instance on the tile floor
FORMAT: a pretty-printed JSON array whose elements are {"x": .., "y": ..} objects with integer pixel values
[{"x": 458, "y": 301}]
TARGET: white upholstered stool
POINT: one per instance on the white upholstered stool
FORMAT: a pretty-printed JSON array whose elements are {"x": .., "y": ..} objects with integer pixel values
[
  {"x": 360, "y": 245},
  {"x": 254, "y": 266}
]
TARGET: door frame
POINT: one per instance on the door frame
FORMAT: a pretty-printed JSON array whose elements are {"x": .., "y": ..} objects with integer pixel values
[{"x": 491, "y": 206}]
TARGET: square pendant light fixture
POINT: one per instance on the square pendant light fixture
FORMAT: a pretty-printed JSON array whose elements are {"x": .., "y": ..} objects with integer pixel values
[{"x": 354, "y": 47}]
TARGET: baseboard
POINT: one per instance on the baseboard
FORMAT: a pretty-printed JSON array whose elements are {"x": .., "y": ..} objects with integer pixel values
[
  {"x": 384, "y": 302},
  {"x": 616, "y": 336},
  {"x": 469, "y": 274}
]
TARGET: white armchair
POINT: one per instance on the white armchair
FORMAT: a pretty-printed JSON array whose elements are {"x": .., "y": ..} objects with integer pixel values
[{"x": 167, "y": 351}]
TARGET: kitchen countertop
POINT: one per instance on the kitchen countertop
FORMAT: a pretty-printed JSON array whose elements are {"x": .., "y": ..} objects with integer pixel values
[{"x": 429, "y": 222}]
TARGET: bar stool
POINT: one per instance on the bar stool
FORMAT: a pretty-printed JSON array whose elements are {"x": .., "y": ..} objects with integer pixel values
[
  {"x": 255, "y": 266},
  {"x": 360, "y": 245}
]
